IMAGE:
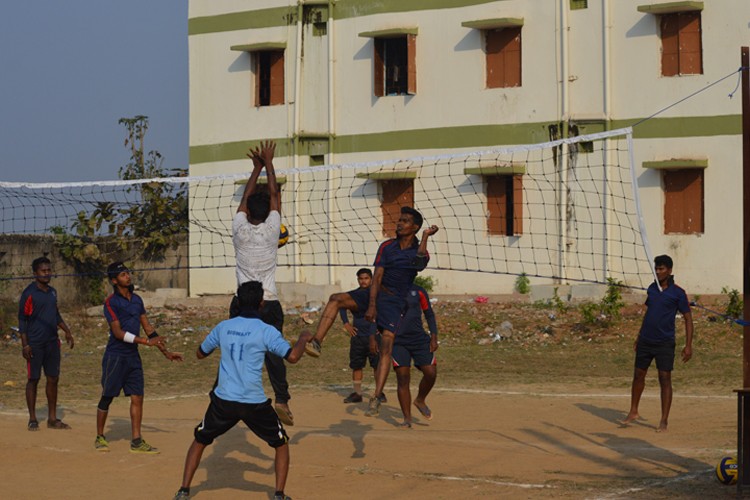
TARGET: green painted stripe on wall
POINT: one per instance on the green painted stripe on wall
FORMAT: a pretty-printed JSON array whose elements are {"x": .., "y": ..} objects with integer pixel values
[
  {"x": 343, "y": 9},
  {"x": 263, "y": 18},
  {"x": 692, "y": 126},
  {"x": 233, "y": 150},
  {"x": 477, "y": 136}
]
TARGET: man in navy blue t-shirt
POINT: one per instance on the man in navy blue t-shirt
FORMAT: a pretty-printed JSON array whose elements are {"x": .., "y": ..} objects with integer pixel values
[
  {"x": 38, "y": 321},
  {"x": 396, "y": 265},
  {"x": 122, "y": 369},
  {"x": 656, "y": 339}
]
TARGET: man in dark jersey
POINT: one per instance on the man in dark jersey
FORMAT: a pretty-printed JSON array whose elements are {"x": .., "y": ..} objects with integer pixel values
[
  {"x": 122, "y": 369},
  {"x": 414, "y": 343},
  {"x": 656, "y": 339},
  {"x": 396, "y": 265},
  {"x": 38, "y": 321}
]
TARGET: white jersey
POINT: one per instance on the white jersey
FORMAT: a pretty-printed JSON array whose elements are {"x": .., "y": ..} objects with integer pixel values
[{"x": 255, "y": 248}]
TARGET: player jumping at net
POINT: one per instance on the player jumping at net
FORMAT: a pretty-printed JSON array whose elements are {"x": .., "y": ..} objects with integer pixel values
[
  {"x": 238, "y": 395},
  {"x": 122, "y": 369},
  {"x": 396, "y": 265},
  {"x": 38, "y": 322},
  {"x": 656, "y": 339},
  {"x": 255, "y": 235},
  {"x": 362, "y": 332},
  {"x": 414, "y": 343}
]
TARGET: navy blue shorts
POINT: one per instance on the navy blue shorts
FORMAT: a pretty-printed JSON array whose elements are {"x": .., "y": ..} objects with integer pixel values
[
  {"x": 45, "y": 356},
  {"x": 390, "y": 311},
  {"x": 359, "y": 352},
  {"x": 222, "y": 415},
  {"x": 122, "y": 373},
  {"x": 417, "y": 351},
  {"x": 647, "y": 351},
  {"x": 361, "y": 297}
]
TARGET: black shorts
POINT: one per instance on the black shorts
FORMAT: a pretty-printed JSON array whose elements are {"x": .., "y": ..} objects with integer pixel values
[
  {"x": 390, "y": 312},
  {"x": 122, "y": 373},
  {"x": 403, "y": 354},
  {"x": 663, "y": 353},
  {"x": 44, "y": 356},
  {"x": 359, "y": 352},
  {"x": 222, "y": 415}
]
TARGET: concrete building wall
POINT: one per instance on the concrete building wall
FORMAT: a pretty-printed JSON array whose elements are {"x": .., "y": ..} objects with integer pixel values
[{"x": 598, "y": 67}]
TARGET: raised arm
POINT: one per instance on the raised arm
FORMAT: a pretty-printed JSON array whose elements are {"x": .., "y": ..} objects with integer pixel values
[
  {"x": 266, "y": 153},
  {"x": 252, "y": 182}
]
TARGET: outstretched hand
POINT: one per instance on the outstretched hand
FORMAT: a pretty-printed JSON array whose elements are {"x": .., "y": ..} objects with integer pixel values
[{"x": 254, "y": 154}]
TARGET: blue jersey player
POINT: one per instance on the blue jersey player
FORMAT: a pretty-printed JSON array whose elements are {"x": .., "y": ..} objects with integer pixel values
[
  {"x": 238, "y": 395},
  {"x": 656, "y": 339},
  {"x": 415, "y": 344},
  {"x": 396, "y": 265}
]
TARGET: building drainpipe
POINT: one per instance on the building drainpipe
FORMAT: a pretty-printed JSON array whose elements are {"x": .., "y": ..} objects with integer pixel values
[
  {"x": 331, "y": 131},
  {"x": 607, "y": 105},
  {"x": 296, "y": 121},
  {"x": 563, "y": 110}
]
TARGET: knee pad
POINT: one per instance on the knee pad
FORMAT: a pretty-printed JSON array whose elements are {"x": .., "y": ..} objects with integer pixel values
[{"x": 104, "y": 403}]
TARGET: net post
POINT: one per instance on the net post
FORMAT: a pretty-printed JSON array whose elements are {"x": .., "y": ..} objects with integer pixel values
[{"x": 743, "y": 412}]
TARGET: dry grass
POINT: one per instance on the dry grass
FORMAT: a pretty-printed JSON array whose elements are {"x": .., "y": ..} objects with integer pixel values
[{"x": 545, "y": 346}]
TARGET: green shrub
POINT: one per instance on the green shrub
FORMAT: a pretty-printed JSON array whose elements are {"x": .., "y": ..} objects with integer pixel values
[
  {"x": 522, "y": 284},
  {"x": 425, "y": 282}
]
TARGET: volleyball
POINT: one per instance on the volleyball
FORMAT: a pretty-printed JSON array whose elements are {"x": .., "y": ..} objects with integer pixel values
[
  {"x": 726, "y": 470},
  {"x": 283, "y": 236}
]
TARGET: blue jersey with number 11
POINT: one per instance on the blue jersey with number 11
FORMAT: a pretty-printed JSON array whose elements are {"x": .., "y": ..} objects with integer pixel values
[{"x": 243, "y": 343}]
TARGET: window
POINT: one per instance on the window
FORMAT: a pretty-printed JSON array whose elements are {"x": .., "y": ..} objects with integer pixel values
[
  {"x": 269, "y": 77},
  {"x": 503, "y": 48},
  {"x": 681, "y": 49},
  {"x": 396, "y": 193},
  {"x": 683, "y": 201},
  {"x": 504, "y": 204},
  {"x": 395, "y": 65}
]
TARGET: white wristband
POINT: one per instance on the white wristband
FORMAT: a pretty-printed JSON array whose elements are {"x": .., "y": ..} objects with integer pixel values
[{"x": 129, "y": 338}]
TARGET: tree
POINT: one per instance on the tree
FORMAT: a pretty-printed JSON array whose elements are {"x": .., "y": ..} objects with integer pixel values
[{"x": 143, "y": 226}]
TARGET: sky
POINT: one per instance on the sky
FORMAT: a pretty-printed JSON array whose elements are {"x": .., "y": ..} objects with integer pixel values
[{"x": 70, "y": 70}]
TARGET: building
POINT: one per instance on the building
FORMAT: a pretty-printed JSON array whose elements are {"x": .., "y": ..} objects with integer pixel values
[{"x": 356, "y": 80}]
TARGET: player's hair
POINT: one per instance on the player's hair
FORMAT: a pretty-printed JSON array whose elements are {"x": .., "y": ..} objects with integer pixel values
[
  {"x": 364, "y": 270},
  {"x": 38, "y": 262},
  {"x": 250, "y": 295},
  {"x": 415, "y": 215},
  {"x": 663, "y": 260},
  {"x": 115, "y": 268},
  {"x": 259, "y": 205}
]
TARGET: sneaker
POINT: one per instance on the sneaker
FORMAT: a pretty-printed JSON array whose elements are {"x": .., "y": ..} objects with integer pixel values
[
  {"x": 282, "y": 497},
  {"x": 101, "y": 444},
  {"x": 374, "y": 409},
  {"x": 353, "y": 398},
  {"x": 181, "y": 495},
  {"x": 382, "y": 398},
  {"x": 143, "y": 447},
  {"x": 313, "y": 348}
]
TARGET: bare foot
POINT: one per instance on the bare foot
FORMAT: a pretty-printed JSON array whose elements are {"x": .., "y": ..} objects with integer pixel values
[
  {"x": 632, "y": 417},
  {"x": 662, "y": 427}
]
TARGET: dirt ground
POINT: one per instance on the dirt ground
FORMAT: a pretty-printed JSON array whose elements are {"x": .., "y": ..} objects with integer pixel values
[{"x": 522, "y": 442}]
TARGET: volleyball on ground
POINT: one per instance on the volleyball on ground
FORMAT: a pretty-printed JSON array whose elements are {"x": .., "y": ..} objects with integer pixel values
[
  {"x": 283, "y": 236},
  {"x": 726, "y": 470}
]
